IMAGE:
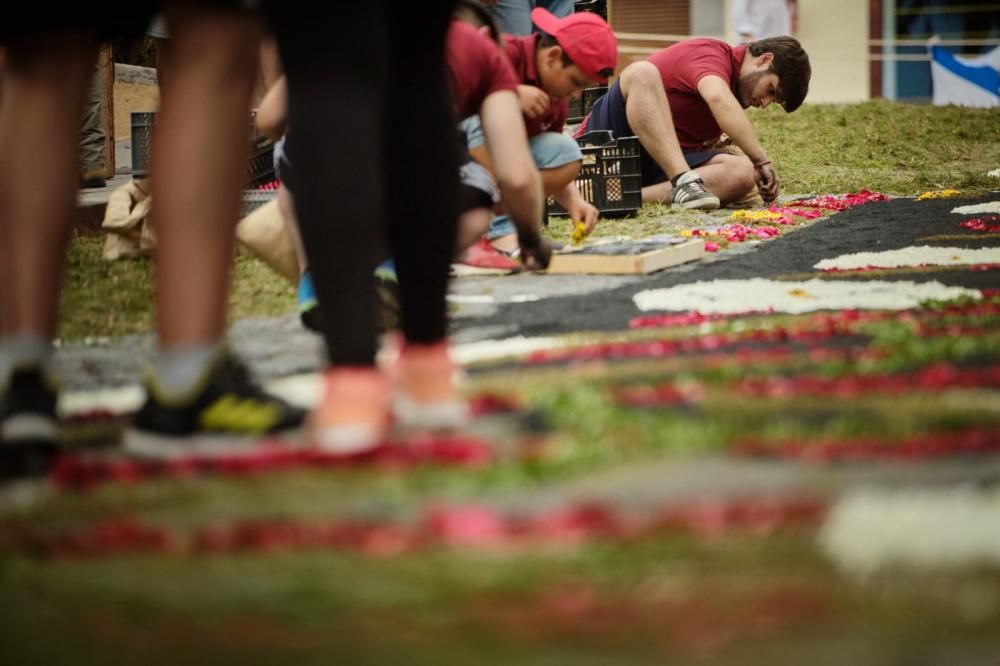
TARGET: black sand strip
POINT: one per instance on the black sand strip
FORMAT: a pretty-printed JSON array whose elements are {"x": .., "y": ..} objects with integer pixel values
[{"x": 875, "y": 227}]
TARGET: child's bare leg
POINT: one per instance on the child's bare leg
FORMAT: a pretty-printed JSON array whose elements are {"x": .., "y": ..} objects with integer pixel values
[
  {"x": 558, "y": 158},
  {"x": 472, "y": 225},
  {"x": 286, "y": 204},
  {"x": 557, "y": 178},
  {"x": 43, "y": 90},
  {"x": 199, "y": 166}
]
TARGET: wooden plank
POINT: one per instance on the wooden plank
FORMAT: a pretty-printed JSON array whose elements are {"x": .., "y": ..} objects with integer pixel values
[
  {"x": 627, "y": 264},
  {"x": 106, "y": 66}
]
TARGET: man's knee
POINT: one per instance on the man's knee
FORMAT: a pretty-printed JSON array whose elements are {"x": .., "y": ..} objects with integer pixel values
[
  {"x": 643, "y": 73},
  {"x": 739, "y": 173},
  {"x": 743, "y": 176}
]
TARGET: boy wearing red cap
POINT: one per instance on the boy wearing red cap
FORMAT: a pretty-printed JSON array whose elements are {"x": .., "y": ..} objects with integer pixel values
[{"x": 569, "y": 55}]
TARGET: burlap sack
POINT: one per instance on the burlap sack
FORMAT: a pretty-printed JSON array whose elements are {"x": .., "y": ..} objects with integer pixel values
[
  {"x": 127, "y": 222},
  {"x": 264, "y": 233}
]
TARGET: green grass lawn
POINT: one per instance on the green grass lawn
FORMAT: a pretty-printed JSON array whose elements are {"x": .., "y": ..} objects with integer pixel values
[{"x": 884, "y": 146}]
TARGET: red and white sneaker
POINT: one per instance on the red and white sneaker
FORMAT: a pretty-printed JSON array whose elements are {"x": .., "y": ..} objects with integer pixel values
[
  {"x": 426, "y": 395},
  {"x": 354, "y": 414},
  {"x": 484, "y": 259}
]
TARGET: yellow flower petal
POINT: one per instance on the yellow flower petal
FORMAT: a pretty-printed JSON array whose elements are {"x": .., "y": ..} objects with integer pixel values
[{"x": 939, "y": 194}]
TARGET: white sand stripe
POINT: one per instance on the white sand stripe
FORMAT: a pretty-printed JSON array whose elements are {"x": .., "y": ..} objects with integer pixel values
[
  {"x": 489, "y": 299},
  {"x": 869, "y": 530},
  {"x": 492, "y": 350},
  {"x": 303, "y": 390},
  {"x": 976, "y": 209},
  {"x": 923, "y": 255},
  {"x": 119, "y": 400},
  {"x": 759, "y": 294}
]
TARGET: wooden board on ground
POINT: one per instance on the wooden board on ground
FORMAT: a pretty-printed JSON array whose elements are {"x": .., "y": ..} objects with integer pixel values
[{"x": 626, "y": 258}]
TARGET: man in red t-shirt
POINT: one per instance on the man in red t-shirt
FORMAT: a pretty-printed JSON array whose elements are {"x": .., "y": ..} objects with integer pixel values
[
  {"x": 570, "y": 54},
  {"x": 679, "y": 102}
]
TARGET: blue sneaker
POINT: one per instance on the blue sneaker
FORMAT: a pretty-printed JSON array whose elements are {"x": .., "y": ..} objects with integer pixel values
[
  {"x": 308, "y": 305},
  {"x": 387, "y": 303},
  {"x": 386, "y": 271},
  {"x": 387, "y": 313}
]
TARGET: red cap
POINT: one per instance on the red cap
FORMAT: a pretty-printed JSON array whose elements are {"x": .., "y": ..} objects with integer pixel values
[{"x": 586, "y": 38}]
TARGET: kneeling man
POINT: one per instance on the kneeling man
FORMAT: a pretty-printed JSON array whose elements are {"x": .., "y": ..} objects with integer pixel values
[{"x": 679, "y": 102}]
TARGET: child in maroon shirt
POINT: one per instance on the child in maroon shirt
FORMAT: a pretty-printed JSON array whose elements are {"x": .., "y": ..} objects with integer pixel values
[
  {"x": 483, "y": 83},
  {"x": 571, "y": 54}
]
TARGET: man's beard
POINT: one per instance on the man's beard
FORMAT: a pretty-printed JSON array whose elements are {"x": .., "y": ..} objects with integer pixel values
[{"x": 746, "y": 86}]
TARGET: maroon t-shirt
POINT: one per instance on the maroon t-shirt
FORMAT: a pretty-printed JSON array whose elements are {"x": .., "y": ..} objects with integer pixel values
[
  {"x": 521, "y": 51},
  {"x": 681, "y": 67},
  {"x": 476, "y": 69}
]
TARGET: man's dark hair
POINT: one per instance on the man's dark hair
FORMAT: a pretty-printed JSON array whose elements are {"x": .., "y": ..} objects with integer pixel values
[
  {"x": 791, "y": 64},
  {"x": 546, "y": 40},
  {"x": 473, "y": 13}
]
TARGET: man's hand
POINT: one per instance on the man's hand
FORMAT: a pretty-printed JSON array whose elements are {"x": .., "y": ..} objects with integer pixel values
[
  {"x": 536, "y": 252},
  {"x": 534, "y": 101},
  {"x": 580, "y": 210},
  {"x": 767, "y": 181}
]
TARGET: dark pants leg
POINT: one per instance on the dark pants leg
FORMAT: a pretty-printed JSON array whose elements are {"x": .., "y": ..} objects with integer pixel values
[
  {"x": 372, "y": 139},
  {"x": 91, "y": 129},
  {"x": 336, "y": 68},
  {"x": 420, "y": 157}
]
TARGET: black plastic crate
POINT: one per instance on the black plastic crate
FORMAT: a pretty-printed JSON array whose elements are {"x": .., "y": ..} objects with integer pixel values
[
  {"x": 142, "y": 140},
  {"x": 254, "y": 199},
  {"x": 599, "y": 7},
  {"x": 610, "y": 177},
  {"x": 260, "y": 167},
  {"x": 580, "y": 106}
]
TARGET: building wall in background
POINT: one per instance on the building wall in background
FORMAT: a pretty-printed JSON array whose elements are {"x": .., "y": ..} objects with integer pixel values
[
  {"x": 835, "y": 35},
  {"x": 709, "y": 18},
  {"x": 651, "y": 16},
  {"x": 670, "y": 18}
]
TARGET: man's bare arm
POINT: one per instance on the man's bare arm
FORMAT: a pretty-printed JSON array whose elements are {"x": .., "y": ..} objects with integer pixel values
[
  {"x": 729, "y": 114},
  {"x": 733, "y": 121}
]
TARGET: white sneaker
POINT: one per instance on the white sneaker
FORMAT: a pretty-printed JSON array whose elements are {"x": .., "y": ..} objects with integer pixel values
[{"x": 690, "y": 193}]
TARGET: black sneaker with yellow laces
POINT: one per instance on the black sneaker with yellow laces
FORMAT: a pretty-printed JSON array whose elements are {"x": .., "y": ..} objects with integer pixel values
[
  {"x": 224, "y": 413},
  {"x": 29, "y": 429}
]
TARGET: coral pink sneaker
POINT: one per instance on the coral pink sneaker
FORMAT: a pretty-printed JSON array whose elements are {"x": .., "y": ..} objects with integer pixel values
[
  {"x": 353, "y": 415},
  {"x": 484, "y": 259},
  {"x": 426, "y": 396}
]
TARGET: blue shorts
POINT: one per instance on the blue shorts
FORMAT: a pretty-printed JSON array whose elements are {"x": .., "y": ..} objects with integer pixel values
[
  {"x": 608, "y": 113},
  {"x": 548, "y": 149}
]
